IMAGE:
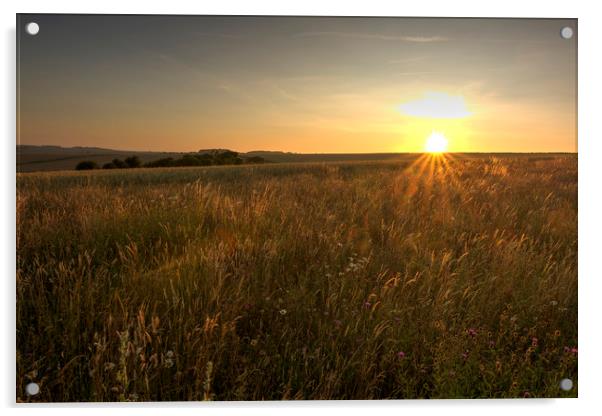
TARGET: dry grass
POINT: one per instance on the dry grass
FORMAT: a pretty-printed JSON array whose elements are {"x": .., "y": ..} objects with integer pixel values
[{"x": 438, "y": 278}]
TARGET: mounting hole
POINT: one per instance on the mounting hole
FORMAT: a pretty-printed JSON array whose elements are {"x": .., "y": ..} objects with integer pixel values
[
  {"x": 32, "y": 389},
  {"x": 566, "y": 32},
  {"x": 566, "y": 384},
  {"x": 32, "y": 28}
]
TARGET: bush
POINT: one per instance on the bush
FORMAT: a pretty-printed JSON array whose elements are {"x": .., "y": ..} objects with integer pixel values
[
  {"x": 86, "y": 165},
  {"x": 109, "y": 165},
  {"x": 133, "y": 162},
  {"x": 160, "y": 163},
  {"x": 120, "y": 164}
]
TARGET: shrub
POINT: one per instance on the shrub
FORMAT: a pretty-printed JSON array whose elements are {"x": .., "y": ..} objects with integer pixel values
[
  {"x": 133, "y": 162},
  {"x": 160, "y": 163},
  {"x": 86, "y": 165},
  {"x": 120, "y": 164}
]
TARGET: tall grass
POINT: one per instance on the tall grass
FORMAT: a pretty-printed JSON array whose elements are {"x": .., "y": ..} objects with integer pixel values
[{"x": 429, "y": 278}]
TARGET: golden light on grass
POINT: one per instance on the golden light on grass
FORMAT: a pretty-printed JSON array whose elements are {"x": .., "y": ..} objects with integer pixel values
[{"x": 436, "y": 143}]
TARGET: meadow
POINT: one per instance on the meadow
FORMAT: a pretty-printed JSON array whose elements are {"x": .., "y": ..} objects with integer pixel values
[{"x": 448, "y": 276}]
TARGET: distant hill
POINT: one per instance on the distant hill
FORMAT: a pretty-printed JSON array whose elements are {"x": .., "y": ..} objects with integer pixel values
[
  {"x": 48, "y": 158},
  {"x": 288, "y": 157}
]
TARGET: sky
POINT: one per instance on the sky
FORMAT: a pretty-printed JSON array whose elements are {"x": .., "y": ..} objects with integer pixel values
[{"x": 297, "y": 84}]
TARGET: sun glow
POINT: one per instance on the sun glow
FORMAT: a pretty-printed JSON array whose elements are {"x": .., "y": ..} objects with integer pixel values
[
  {"x": 436, "y": 143},
  {"x": 436, "y": 105}
]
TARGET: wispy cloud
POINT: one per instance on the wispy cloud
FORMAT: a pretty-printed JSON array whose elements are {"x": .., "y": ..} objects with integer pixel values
[
  {"x": 419, "y": 39},
  {"x": 408, "y": 60},
  {"x": 217, "y": 35}
]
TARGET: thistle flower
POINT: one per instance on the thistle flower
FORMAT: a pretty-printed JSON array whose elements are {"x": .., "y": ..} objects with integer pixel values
[{"x": 401, "y": 354}]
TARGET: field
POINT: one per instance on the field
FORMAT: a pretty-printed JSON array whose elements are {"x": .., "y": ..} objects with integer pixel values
[{"x": 424, "y": 277}]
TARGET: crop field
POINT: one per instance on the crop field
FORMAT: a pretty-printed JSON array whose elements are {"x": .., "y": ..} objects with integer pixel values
[{"x": 431, "y": 276}]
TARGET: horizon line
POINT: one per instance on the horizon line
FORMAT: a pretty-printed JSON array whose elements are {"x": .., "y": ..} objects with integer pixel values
[{"x": 289, "y": 152}]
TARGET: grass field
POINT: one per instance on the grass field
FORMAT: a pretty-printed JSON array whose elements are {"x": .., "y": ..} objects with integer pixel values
[{"x": 428, "y": 277}]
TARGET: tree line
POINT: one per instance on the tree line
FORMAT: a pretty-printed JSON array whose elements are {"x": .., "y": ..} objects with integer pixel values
[{"x": 215, "y": 157}]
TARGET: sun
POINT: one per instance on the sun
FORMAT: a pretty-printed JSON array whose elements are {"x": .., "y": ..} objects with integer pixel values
[{"x": 436, "y": 143}]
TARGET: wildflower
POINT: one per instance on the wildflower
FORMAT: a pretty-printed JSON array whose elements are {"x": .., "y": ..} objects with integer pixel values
[
  {"x": 367, "y": 304},
  {"x": 557, "y": 333},
  {"x": 574, "y": 350},
  {"x": 338, "y": 323},
  {"x": 566, "y": 349},
  {"x": 465, "y": 355},
  {"x": 491, "y": 344},
  {"x": 472, "y": 332},
  {"x": 282, "y": 311},
  {"x": 253, "y": 342},
  {"x": 498, "y": 366},
  {"x": 401, "y": 354},
  {"x": 553, "y": 303},
  {"x": 534, "y": 341}
]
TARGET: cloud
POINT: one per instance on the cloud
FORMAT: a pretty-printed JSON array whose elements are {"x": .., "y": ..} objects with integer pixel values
[
  {"x": 436, "y": 105},
  {"x": 419, "y": 39}
]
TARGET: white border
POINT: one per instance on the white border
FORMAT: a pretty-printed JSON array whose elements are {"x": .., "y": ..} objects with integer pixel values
[{"x": 590, "y": 207}]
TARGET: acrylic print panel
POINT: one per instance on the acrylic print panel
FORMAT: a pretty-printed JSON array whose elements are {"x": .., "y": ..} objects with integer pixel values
[{"x": 270, "y": 208}]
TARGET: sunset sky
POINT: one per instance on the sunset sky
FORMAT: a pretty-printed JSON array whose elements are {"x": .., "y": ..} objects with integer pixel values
[{"x": 298, "y": 84}]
